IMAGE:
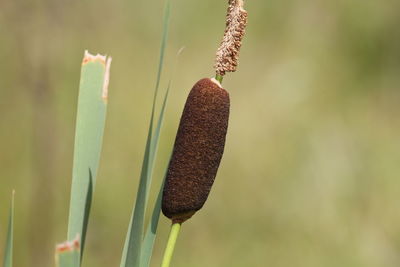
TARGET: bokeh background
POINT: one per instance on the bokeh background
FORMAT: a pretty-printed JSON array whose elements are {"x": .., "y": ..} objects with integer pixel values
[{"x": 310, "y": 174}]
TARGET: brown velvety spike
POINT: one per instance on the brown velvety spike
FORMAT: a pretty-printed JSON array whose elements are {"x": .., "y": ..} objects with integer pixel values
[{"x": 198, "y": 150}]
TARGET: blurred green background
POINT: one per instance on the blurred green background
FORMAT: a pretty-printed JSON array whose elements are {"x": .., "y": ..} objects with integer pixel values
[{"x": 310, "y": 174}]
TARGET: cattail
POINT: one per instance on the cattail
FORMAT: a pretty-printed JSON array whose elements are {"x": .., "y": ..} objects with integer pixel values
[
  {"x": 198, "y": 150},
  {"x": 200, "y": 140}
]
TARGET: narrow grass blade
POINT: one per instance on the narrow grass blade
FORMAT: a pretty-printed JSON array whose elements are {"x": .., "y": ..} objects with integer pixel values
[
  {"x": 68, "y": 253},
  {"x": 150, "y": 236},
  {"x": 151, "y": 229},
  {"x": 156, "y": 135},
  {"x": 92, "y": 106},
  {"x": 8, "y": 252},
  {"x": 133, "y": 243}
]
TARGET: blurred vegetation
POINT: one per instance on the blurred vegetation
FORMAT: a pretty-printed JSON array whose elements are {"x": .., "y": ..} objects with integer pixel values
[{"x": 310, "y": 175}]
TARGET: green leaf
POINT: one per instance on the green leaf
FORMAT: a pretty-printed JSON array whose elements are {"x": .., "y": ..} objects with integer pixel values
[
  {"x": 150, "y": 237},
  {"x": 91, "y": 114},
  {"x": 8, "y": 252},
  {"x": 133, "y": 243},
  {"x": 68, "y": 253}
]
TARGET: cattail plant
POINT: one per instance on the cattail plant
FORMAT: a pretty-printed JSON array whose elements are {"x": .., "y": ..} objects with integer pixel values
[
  {"x": 200, "y": 141},
  {"x": 194, "y": 163}
]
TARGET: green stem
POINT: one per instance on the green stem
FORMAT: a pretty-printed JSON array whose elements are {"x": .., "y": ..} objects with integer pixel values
[
  {"x": 169, "y": 250},
  {"x": 219, "y": 78}
]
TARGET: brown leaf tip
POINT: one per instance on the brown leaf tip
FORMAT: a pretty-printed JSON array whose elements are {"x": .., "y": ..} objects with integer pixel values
[
  {"x": 228, "y": 52},
  {"x": 106, "y": 79},
  {"x": 69, "y": 246},
  {"x": 92, "y": 58},
  {"x": 106, "y": 61}
]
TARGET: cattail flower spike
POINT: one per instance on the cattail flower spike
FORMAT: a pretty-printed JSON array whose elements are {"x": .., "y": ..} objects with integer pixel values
[{"x": 200, "y": 141}]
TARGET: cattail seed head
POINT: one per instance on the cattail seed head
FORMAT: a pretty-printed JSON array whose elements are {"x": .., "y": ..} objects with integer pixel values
[{"x": 198, "y": 150}]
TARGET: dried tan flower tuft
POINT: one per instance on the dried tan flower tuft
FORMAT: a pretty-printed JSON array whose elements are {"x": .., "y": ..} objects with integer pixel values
[{"x": 228, "y": 51}]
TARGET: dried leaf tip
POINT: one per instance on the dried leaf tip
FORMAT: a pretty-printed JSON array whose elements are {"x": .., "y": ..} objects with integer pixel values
[
  {"x": 91, "y": 58},
  {"x": 228, "y": 52},
  {"x": 106, "y": 61},
  {"x": 69, "y": 245},
  {"x": 106, "y": 79}
]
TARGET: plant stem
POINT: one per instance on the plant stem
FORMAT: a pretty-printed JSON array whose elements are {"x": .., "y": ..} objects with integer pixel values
[
  {"x": 219, "y": 78},
  {"x": 169, "y": 250}
]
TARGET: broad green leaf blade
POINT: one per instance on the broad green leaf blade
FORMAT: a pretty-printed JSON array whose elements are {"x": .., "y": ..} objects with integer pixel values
[
  {"x": 68, "y": 253},
  {"x": 8, "y": 252},
  {"x": 133, "y": 243},
  {"x": 91, "y": 115}
]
